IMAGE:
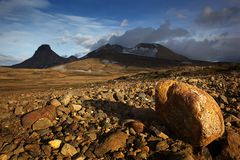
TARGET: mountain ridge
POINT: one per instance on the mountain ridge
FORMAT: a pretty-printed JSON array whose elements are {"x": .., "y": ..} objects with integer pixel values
[{"x": 44, "y": 57}]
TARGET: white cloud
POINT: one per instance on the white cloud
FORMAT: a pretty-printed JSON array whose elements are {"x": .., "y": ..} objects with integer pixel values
[
  {"x": 180, "y": 14},
  {"x": 124, "y": 23},
  {"x": 223, "y": 47},
  {"x": 7, "y": 60},
  {"x": 219, "y": 18},
  {"x": 26, "y": 27},
  {"x": 7, "y": 6},
  {"x": 138, "y": 35}
]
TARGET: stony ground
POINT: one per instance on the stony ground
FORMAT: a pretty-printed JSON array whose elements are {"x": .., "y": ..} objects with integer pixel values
[{"x": 114, "y": 120}]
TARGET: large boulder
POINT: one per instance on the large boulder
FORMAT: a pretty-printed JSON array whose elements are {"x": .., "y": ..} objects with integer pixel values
[{"x": 189, "y": 112}]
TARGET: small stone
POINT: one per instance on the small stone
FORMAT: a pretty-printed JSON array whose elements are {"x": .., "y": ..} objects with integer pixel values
[
  {"x": 34, "y": 149},
  {"x": 55, "y": 102},
  {"x": 138, "y": 126},
  {"x": 76, "y": 107},
  {"x": 224, "y": 99},
  {"x": 68, "y": 138},
  {"x": 162, "y": 146},
  {"x": 46, "y": 150},
  {"x": 92, "y": 136},
  {"x": 9, "y": 148},
  {"x": 145, "y": 149},
  {"x": 55, "y": 144},
  {"x": 4, "y": 157},
  {"x": 18, "y": 150},
  {"x": 141, "y": 155},
  {"x": 42, "y": 123},
  {"x": 65, "y": 99},
  {"x": 68, "y": 150},
  {"x": 118, "y": 96},
  {"x": 118, "y": 155},
  {"x": 163, "y": 135},
  {"x": 63, "y": 109},
  {"x": 142, "y": 95},
  {"x": 189, "y": 112},
  {"x": 112, "y": 143},
  {"x": 132, "y": 131},
  {"x": 89, "y": 154},
  {"x": 80, "y": 158},
  {"x": 19, "y": 110}
]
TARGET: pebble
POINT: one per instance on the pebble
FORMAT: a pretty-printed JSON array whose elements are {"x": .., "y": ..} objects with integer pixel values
[
  {"x": 224, "y": 99},
  {"x": 162, "y": 146},
  {"x": 112, "y": 143},
  {"x": 68, "y": 150},
  {"x": 65, "y": 99},
  {"x": 138, "y": 126},
  {"x": 76, "y": 107},
  {"x": 55, "y": 102},
  {"x": 55, "y": 144}
]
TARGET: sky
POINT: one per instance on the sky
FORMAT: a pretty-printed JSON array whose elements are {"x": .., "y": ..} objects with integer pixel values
[{"x": 202, "y": 29}]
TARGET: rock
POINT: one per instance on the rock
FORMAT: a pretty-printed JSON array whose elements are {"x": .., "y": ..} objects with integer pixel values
[
  {"x": 224, "y": 99},
  {"x": 63, "y": 109},
  {"x": 141, "y": 155},
  {"x": 46, "y": 150},
  {"x": 18, "y": 150},
  {"x": 65, "y": 99},
  {"x": 55, "y": 144},
  {"x": 34, "y": 149},
  {"x": 137, "y": 126},
  {"x": 92, "y": 136},
  {"x": 142, "y": 95},
  {"x": 231, "y": 146},
  {"x": 118, "y": 155},
  {"x": 118, "y": 96},
  {"x": 19, "y": 110},
  {"x": 68, "y": 150},
  {"x": 189, "y": 112},
  {"x": 76, "y": 107},
  {"x": 55, "y": 102},
  {"x": 112, "y": 143},
  {"x": 162, "y": 146},
  {"x": 45, "y": 112},
  {"x": 4, "y": 157},
  {"x": 42, "y": 123},
  {"x": 9, "y": 148}
]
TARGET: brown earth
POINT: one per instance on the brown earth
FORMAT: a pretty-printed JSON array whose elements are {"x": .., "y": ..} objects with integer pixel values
[{"x": 111, "y": 98}]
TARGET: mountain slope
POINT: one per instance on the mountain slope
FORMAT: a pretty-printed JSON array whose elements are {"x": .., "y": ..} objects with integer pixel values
[{"x": 44, "y": 57}]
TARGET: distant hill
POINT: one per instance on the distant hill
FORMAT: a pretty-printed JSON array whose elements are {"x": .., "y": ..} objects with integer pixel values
[{"x": 44, "y": 57}]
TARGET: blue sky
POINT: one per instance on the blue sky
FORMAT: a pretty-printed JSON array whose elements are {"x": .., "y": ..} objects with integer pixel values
[{"x": 206, "y": 30}]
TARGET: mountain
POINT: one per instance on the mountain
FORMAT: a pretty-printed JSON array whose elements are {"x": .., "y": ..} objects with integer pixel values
[
  {"x": 142, "y": 55},
  {"x": 142, "y": 49},
  {"x": 44, "y": 57}
]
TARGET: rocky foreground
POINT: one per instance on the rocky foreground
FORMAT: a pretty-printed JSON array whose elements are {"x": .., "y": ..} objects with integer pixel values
[{"x": 115, "y": 120}]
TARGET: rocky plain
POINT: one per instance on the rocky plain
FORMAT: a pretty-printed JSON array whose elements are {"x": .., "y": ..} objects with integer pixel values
[{"x": 117, "y": 119}]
